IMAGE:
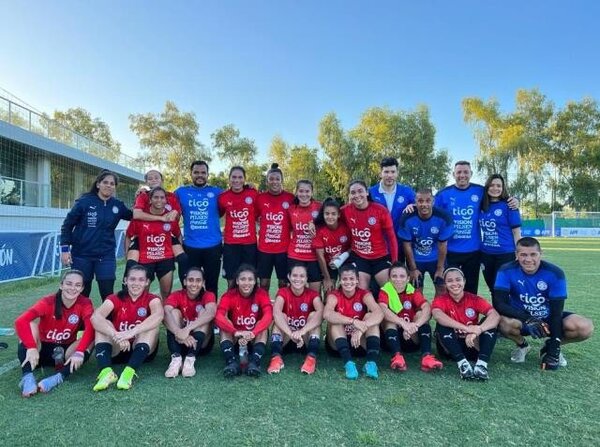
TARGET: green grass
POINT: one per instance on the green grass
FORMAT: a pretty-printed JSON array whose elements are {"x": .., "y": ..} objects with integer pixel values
[{"x": 520, "y": 405}]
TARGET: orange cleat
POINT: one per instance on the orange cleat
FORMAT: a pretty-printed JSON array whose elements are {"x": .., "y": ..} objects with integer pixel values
[
  {"x": 309, "y": 365},
  {"x": 398, "y": 362},
  {"x": 429, "y": 363},
  {"x": 275, "y": 365}
]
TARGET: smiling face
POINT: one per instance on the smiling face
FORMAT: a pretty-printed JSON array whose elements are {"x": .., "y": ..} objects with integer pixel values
[
  {"x": 153, "y": 179},
  {"x": 274, "y": 183},
  {"x": 71, "y": 286},
  {"x": 298, "y": 278},
  {"x": 358, "y": 196},
  {"x": 455, "y": 284},
  {"x": 237, "y": 180},
  {"x": 349, "y": 282},
  {"x": 193, "y": 282},
  {"x": 158, "y": 200},
  {"x": 389, "y": 175},
  {"x": 304, "y": 193},
  {"x": 136, "y": 281},
  {"x": 199, "y": 175},
  {"x": 424, "y": 204},
  {"x": 246, "y": 281},
  {"x": 331, "y": 216},
  {"x": 529, "y": 258},
  {"x": 495, "y": 189},
  {"x": 106, "y": 187},
  {"x": 462, "y": 176}
]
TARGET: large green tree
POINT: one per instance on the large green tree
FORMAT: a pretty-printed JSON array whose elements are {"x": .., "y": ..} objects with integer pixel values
[{"x": 233, "y": 148}]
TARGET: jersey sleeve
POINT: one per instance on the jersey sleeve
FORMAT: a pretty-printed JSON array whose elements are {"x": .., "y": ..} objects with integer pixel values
[
  {"x": 71, "y": 220},
  {"x": 558, "y": 287},
  {"x": 418, "y": 299},
  {"x": 514, "y": 218},
  {"x": 141, "y": 201},
  {"x": 483, "y": 306},
  {"x": 267, "y": 312},
  {"x": 132, "y": 229},
  {"x": 209, "y": 297},
  {"x": 383, "y": 297},
  {"x": 439, "y": 303},
  {"x": 88, "y": 329},
  {"x": 174, "y": 202},
  {"x": 502, "y": 281},
  {"x": 318, "y": 242},
  {"x": 125, "y": 213},
  {"x": 402, "y": 231},
  {"x": 221, "y": 318},
  {"x": 172, "y": 300},
  {"x": 22, "y": 326},
  {"x": 448, "y": 226}
]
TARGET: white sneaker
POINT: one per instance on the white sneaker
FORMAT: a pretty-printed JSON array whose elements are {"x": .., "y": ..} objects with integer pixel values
[
  {"x": 188, "y": 367},
  {"x": 174, "y": 367},
  {"x": 518, "y": 354},
  {"x": 562, "y": 361}
]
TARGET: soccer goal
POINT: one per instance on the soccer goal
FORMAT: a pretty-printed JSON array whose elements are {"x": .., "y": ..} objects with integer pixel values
[{"x": 573, "y": 224}]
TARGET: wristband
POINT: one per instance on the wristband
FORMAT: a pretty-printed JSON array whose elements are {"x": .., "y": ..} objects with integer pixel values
[{"x": 64, "y": 249}]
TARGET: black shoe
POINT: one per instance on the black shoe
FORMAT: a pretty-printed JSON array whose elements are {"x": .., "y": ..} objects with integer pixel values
[
  {"x": 466, "y": 371},
  {"x": 232, "y": 369},
  {"x": 253, "y": 369},
  {"x": 480, "y": 372}
]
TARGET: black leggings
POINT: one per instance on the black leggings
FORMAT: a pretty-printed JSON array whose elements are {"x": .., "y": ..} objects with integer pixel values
[{"x": 491, "y": 265}]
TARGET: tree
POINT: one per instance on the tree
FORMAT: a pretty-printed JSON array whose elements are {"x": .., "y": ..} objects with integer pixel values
[
  {"x": 303, "y": 163},
  {"x": 80, "y": 121},
  {"x": 279, "y": 152},
  {"x": 169, "y": 141},
  {"x": 231, "y": 147}
]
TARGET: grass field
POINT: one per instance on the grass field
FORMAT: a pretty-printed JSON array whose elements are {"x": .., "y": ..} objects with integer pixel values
[{"x": 520, "y": 405}]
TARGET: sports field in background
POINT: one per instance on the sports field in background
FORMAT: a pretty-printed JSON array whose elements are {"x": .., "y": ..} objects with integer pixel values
[{"x": 520, "y": 405}]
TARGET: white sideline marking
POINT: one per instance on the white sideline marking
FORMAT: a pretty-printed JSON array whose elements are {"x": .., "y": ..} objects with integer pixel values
[{"x": 9, "y": 366}]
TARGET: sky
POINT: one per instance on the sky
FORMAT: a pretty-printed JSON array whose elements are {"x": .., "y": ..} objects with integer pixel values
[{"x": 277, "y": 67}]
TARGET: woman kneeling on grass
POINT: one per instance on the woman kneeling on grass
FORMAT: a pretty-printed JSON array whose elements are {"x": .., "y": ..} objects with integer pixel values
[
  {"x": 127, "y": 325},
  {"x": 353, "y": 319},
  {"x": 48, "y": 334},
  {"x": 244, "y": 315},
  {"x": 406, "y": 320},
  {"x": 459, "y": 333},
  {"x": 189, "y": 314},
  {"x": 298, "y": 314}
]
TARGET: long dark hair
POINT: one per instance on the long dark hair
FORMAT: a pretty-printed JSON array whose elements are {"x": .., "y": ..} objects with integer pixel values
[
  {"x": 121, "y": 294},
  {"x": 103, "y": 174},
  {"x": 203, "y": 289},
  {"x": 246, "y": 268},
  {"x": 58, "y": 297},
  {"x": 329, "y": 201},
  {"x": 485, "y": 203},
  {"x": 306, "y": 182}
]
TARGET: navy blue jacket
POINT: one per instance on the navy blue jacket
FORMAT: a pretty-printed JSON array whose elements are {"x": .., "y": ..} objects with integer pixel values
[{"x": 89, "y": 227}]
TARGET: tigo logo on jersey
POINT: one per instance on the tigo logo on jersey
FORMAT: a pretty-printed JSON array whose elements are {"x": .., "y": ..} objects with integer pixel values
[
  {"x": 372, "y": 220},
  {"x": 541, "y": 285},
  {"x": 304, "y": 307},
  {"x": 73, "y": 319},
  {"x": 58, "y": 336},
  {"x": 469, "y": 312},
  {"x": 254, "y": 307},
  {"x": 142, "y": 312},
  {"x": 357, "y": 307}
]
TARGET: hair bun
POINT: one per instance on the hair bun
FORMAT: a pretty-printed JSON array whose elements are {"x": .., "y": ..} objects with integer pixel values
[{"x": 274, "y": 165}]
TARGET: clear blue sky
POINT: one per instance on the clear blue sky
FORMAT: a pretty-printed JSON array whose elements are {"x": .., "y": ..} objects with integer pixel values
[{"x": 276, "y": 67}]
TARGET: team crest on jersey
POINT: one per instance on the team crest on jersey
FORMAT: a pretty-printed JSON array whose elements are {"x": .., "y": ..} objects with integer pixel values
[
  {"x": 435, "y": 230},
  {"x": 474, "y": 198},
  {"x": 541, "y": 285},
  {"x": 357, "y": 307},
  {"x": 167, "y": 227},
  {"x": 314, "y": 214},
  {"x": 407, "y": 305},
  {"x": 343, "y": 239},
  {"x": 400, "y": 199},
  {"x": 210, "y": 195},
  {"x": 199, "y": 308},
  {"x": 115, "y": 209},
  {"x": 142, "y": 312},
  {"x": 372, "y": 220},
  {"x": 248, "y": 200},
  {"x": 254, "y": 307},
  {"x": 469, "y": 312},
  {"x": 498, "y": 213},
  {"x": 285, "y": 205},
  {"x": 73, "y": 319},
  {"x": 304, "y": 307}
]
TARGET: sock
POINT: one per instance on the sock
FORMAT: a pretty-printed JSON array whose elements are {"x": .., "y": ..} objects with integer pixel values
[
  {"x": 342, "y": 346},
  {"x": 139, "y": 354},
  {"x": 227, "y": 350},
  {"x": 373, "y": 344},
  {"x": 103, "y": 355},
  {"x": 313, "y": 345},
  {"x": 425, "y": 339},
  {"x": 174, "y": 346},
  {"x": 448, "y": 340},
  {"x": 21, "y": 353},
  {"x": 199, "y": 336},
  {"x": 258, "y": 350},
  {"x": 391, "y": 337},
  {"x": 182, "y": 266},
  {"x": 276, "y": 344},
  {"x": 487, "y": 341}
]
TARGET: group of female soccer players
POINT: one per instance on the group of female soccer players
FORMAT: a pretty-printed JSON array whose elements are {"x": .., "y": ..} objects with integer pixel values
[{"x": 312, "y": 246}]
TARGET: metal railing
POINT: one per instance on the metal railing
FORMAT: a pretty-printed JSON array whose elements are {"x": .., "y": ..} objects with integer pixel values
[
  {"x": 27, "y": 119},
  {"x": 16, "y": 191}
]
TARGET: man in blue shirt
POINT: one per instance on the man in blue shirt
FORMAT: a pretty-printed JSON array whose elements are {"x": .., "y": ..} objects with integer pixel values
[
  {"x": 201, "y": 226},
  {"x": 529, "y": 294},
  {"x": 424, "y": 234}
]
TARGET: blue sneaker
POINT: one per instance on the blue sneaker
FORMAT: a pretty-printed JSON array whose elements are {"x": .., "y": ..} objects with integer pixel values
[
  {"x": 351, "y": 371},
  {"x": 28, "y": 385},
  {"x": 370, "y": 370},
  {"x": 50, "y": 382}
]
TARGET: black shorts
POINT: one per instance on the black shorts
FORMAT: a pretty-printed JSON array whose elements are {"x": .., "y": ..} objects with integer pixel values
[
  {"x": 46, "y": 351},
  {"x": 135, "y": 244},
  {"x": 123, "y": 357},
  {"x": 312, "y": 269},
  {"x": 354, "y": 352},
  {"x": 370, "y": 266},
  {"x": 265, "y": 262},
  {"x": 234, "y": 255},
  {"x": 159, "y": 268}
]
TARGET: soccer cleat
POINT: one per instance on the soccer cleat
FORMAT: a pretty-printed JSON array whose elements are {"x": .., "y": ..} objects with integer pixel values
[
  {"x": 174, "y": 367},
  {"x": 275, "y": 365},
  {"x": 465, "y": 370},
  {"x": 480, "y": 372},
  {"x": 309, "y": 365},
  {"x": 253, "y": 369},
  {"x": 351, "y": 371},
  {"x": 126, "y": 379},
  {"x": 105, "y": 379},
  {"x": 398, "y": 363},
  {"x": 232, "y": 369},
  {"x": 370, "y": 370},
  {"x": 518, "y": 354},
  {"x": 429, "y": 363},
  {"x": 188, "y": 369},
  {"x": 50, "y": 382},
  {"x": 28, "y": 385}
]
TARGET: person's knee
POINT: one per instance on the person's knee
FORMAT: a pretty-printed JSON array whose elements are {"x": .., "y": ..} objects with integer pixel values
[
  {"x": 581, "y": 329},
  {"x": 509, "y": 326}
]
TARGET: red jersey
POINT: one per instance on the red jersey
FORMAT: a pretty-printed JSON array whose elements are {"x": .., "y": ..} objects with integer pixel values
[
  {"x": 300, "y": 247},
  {"x": 240, "y": 217},
  {"x": 142, "y": 202},
  {"x": 154, "y": 239},
  {"x": 239, "y": 313},
  {"x": 62, "y": 331},
  {"x": 353, "y": 307},
  {"x": 369, "y": 229},
  {"x": 189, "y": 308},
  {"x": 466, "y": 311},
  {"x": 274, "y": 230},
  {"x": 333, "y": 242},
  {"x": 127, "y": 313},
  {"x": 411, "y": 303},
  {"x": 297, "y": 308}
]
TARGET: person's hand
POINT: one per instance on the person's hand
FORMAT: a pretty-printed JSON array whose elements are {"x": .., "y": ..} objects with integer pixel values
[
  {"x": 125, "y": 335},
  {"x": 473, "y": 329},
  {"x": 355, "y": 338},
  {"x": 470, "y": 340},
  {"x": 360, "y": 325},
  {"x": 410, "y": 329},
  {"x": 409, "y": 208},
  {"x": 124, "y": 345},
  {"x": 181, "y": 334},
  {"x": 75, "y": 361},
  {"x": 414, "y": 276},
  {"x": 170, "y": 216},
  {"x": 297, "y": 338},
  {"x": 33, "y": 357},
  {"x": 328, "y": 285},
  {"x": 513, "y": 203},
  {"x": 66, "y": 259},
  {"x": 244, "y": 335},
  {"x": 312, "y": 229},
  {"x": 190, "y": 342},
  {"x": 536, "y": 328}
]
